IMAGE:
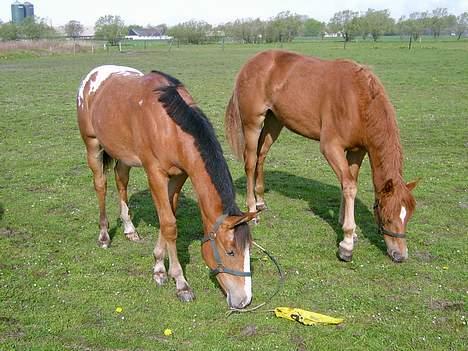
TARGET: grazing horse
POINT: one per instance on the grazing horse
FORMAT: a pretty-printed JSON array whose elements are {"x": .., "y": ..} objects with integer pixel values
[
  {"x": 339, "y": 103},
  {"x": 151, "y": 121}
]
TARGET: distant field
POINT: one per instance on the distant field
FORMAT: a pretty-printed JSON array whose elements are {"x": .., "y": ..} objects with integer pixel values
[{"x": 59, "y": 291}]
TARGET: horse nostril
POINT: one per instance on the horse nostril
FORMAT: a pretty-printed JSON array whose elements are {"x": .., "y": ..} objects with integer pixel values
[{"x": 396, "y": 257}]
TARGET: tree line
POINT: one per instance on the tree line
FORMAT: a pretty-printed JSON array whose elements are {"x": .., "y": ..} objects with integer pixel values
[{"x": 283, "y": 27}]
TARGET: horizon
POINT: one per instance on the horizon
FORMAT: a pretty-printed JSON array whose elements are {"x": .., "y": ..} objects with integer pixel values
[{"x": 216, "y": 12}]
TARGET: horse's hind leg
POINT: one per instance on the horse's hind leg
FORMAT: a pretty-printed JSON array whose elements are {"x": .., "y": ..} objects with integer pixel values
[
  {"x": 270, "y": 132},
  {"x": 337, "y": 160},
  {"x": 354, "y": 158},
  {"x": 160, "y": 186},
  {"x": 122, "y": 172},
  {"x": 252, "y": 132},
  {"x": 96, "y": 164}
]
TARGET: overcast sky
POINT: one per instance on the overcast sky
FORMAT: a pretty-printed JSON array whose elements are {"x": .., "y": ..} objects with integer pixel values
[{"x": 171, "y": 12}]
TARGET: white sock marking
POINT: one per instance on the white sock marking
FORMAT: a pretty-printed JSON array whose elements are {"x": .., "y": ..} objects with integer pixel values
[{"x": 127, "y": 222}]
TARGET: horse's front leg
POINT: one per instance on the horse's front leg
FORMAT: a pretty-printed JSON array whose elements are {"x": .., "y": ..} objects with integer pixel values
[
  {"x": 336, "y": 158},
  {"x": 354, "y": 158},
  {"x": 122, "y": 172},
  {"x": 160, "y": 187}
]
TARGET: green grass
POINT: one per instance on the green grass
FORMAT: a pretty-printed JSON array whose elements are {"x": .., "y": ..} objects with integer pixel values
[{"x": 59, "y": 291}]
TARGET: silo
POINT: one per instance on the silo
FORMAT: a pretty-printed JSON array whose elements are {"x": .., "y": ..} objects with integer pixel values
[
  {"x": 17, "y": 12},
  {"x": 28, "y": 9}
]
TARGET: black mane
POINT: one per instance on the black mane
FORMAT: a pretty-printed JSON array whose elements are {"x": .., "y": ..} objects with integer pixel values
[
  {"x": 193, "y": 121},
  {"x": 170, "y": 79}
]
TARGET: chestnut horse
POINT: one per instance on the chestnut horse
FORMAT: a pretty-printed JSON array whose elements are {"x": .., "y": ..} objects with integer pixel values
[
  {"x": 151, "y": 121},
  {"x": 339, "y": 103}
]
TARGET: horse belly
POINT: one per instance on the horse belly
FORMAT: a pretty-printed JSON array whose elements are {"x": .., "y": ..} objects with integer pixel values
[{"x": 300, "y": 122}]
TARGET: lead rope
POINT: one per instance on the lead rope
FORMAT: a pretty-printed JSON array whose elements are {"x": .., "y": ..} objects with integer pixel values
[{"x": 278, "y": 286}]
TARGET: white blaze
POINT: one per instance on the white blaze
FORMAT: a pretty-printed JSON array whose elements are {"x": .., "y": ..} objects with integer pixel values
[
  {"x": 103, "y": 72},
  {"x": 248, "y": 280},
  {"x": 403, "y": 214}
]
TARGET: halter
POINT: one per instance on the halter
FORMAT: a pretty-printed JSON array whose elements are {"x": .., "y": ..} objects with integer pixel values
[
  {"x": 219, "y": 264},
  {"x": 383, "y": 230}
]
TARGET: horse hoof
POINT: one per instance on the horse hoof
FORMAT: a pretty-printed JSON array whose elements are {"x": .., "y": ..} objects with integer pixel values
[
  {"x": 160, "y": 278},
  {"x": 345, "y": 255},
  {"x": 133, "y": 236},
  {"x": 355, "y": 239},
  {"x": 186, "y": 295},
  {"x": 261, "y": 206}
]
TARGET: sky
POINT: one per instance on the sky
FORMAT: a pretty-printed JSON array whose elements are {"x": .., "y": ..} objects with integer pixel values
[{"x": 171, "y": 12}]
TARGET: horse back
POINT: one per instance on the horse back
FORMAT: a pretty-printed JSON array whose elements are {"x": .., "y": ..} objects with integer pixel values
[
  {"x": 125, "y": 116},
  {"x": 307, "y": 95}
]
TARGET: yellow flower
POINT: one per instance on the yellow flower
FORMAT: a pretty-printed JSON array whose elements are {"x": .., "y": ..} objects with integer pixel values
[
  {"x": 119, "y": 309},
  {"x": 167, "y": 332}
]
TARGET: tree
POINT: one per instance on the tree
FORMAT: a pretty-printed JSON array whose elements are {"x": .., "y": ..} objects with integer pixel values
[
  {"x": 438, "y": 21},
  {"x": 344, "y": 23},
  {"x": 9, "y": 31},
  {"x": 462, "y": 24},
  {"x": 378, "y": 22},
  {"x": 312, "y": 27},
  {"x": 110, "y": 28},
  {"x": 283, "y": 27},
  {"x": 413, "y": 26},
  {"x": 35, "y": 28},
  {"x": 74, "y": 29},
  {"x": 193, "y": 32}
]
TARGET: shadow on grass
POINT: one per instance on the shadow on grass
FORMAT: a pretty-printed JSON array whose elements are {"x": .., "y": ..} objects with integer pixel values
[
  {"x": 189, "y": 223},
  {"x": 323, "y": 199},
  {"x": 2, "y": 211}
]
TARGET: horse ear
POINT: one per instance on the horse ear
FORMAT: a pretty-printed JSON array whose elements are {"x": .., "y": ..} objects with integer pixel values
[
  {"x": 388, "y": 187},
  {"x": 234, "y": 221},
  {"x": 412, "y": 185}
]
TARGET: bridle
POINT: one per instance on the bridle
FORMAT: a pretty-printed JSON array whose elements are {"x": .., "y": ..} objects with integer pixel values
[
  {"x": 383, "y": 230},
  {"x": 220, "y": 268}
]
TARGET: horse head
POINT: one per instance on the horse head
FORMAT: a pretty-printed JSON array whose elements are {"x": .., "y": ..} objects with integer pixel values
[
  {"x": 393, "y": 208},
  {"x": 228, "y": 256}
]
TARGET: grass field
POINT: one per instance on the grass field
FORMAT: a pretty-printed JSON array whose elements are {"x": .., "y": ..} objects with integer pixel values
[{"x": 59, "y": 291}]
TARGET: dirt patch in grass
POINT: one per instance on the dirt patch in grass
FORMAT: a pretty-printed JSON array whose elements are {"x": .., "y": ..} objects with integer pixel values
[
  {"x": 12, "y": 328},
  {"x": 445, "y": 305},
  {"x": 424, "y": 256},
  {"x": 11, "y": 232},
  {"x": 299, "y": 343}
]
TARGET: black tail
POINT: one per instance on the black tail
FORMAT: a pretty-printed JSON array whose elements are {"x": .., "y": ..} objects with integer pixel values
[{"x": 107, "y": 160}]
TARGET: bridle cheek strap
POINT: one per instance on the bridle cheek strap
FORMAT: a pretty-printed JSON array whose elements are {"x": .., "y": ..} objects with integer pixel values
[
  {"x": 390, "y": 233},
  {"x": 384, "y": 231},
  {"x": 219, "y": 263}
]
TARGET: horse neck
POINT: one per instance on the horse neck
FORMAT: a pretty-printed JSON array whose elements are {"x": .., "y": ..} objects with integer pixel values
[
  {"x": 383, "y": 146},
  {"x": 210, "y": 201}
]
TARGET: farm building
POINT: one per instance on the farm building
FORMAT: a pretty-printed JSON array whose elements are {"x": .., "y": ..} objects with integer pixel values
[
  {"x": 146, "y": 34},
  {"x": 19, "y": 11}
]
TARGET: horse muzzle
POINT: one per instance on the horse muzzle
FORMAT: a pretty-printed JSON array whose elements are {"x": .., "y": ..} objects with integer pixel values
[
  {"x": 397, "y": 257},
  {"x": 238, "y": 302}
]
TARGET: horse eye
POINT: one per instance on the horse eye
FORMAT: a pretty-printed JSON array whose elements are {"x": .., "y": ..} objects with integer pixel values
[{"x": 230, "y": 253}]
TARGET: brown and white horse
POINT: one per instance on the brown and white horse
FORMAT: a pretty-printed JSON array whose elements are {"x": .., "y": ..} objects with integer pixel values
[
  {"x": 151, "y": 121},
  {"x": 344, "y": 106}
]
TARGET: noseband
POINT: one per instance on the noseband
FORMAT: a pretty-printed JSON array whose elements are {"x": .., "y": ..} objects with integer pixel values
[
  {"x": 382, "y": 229},
  {"x": 219, "y": 264}
]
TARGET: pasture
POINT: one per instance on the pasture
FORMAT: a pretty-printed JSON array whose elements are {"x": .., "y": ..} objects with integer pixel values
[{"x": 59, "y": 291}]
